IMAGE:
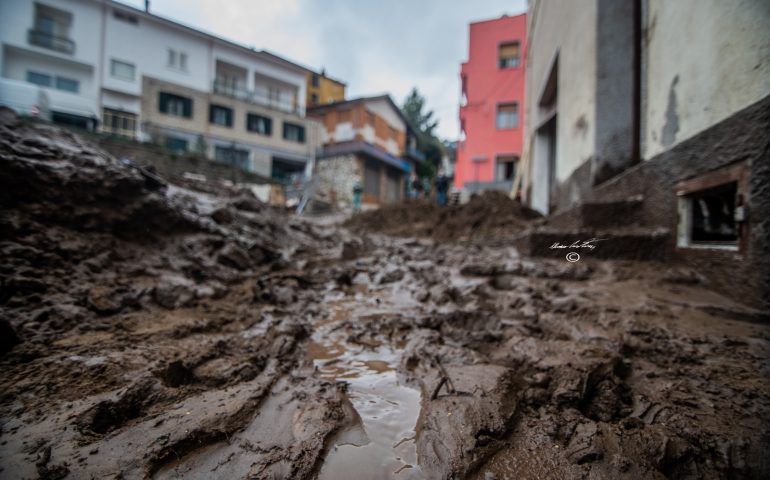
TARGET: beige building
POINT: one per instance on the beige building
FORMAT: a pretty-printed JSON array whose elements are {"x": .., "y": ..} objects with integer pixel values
[{"x": 271, "y": 142}]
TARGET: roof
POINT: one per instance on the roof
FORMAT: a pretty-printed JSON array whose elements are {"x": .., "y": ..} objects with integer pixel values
[
  {"x": 266, "y": 52},
  {"x": 359, "y": 146},
  {"x": 335, "y": 105},
  {"x": 263, "y": 54}
]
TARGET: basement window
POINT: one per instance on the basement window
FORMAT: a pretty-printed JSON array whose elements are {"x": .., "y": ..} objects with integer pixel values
[{"x": 709, "y": 218}]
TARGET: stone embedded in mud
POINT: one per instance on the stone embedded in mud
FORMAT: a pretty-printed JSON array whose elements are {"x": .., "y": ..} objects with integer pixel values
[
  {"x": 235, "y": 257},
  {"x": 173, "y": 292},
  {"x": 351, "y": 250},
  {"x": 392, "y": 276},
  {"x": 105, "y": 300},
  {"x": 223, "y": 216},
  {"x": 8, "y": 337}
]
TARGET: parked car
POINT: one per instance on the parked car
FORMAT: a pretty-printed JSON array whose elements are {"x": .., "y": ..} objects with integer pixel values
[{"x": 25, "y": 99}]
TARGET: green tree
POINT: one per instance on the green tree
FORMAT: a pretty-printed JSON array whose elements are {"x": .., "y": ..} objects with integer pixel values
[{"x": 422, "y": 121}]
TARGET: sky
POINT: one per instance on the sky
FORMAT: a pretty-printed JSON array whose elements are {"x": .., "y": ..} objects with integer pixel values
[{"x": 374, "y": 46}]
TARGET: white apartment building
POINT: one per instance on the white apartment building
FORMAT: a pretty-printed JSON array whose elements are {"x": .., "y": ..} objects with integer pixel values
[{"x": 111, "y": 67}]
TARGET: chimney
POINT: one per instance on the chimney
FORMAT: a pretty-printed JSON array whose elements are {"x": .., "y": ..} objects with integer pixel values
[{"x": 147, "y": 6}]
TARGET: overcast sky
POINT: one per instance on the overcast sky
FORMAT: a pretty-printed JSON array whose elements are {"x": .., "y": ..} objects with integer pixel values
[{"x": 375, "y": 46}]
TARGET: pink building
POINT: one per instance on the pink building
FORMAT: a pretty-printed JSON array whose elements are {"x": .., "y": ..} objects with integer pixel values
[{"x": 492, "y": 108}]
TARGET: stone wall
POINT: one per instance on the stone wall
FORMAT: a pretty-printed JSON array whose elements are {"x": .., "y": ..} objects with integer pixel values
[
  {"x": 336, "y": 177},
  {"x": 740, "y": 140}
]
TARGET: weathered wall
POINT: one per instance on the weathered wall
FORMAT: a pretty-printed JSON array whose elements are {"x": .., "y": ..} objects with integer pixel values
[
  {"x": 338, "y": 175},
  {"x": 741, "y": 139},
  {"x": 706, "y": 59},
  {"x": 614, "y": 132},
  {"x": 569, "y": 28}
]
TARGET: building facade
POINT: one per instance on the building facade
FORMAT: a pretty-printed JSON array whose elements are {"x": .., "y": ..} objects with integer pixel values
[
  {"x": 492, "y": 105},
  {"x": 667, "y": 103},
  {"x": 365, "y": 140},
  {"x": 322, "y": 89},
  {"x": 128, "y": 72}
]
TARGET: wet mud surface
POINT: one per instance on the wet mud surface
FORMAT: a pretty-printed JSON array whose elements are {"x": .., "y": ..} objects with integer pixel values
[{"x": 158, "y": 330}]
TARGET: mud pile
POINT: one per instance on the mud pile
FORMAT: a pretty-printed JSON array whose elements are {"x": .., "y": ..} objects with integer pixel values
[
  {"x": 133, "y": 327},
  {"x": 487, "y": 216},
  {"x": 159, "y": 330}
]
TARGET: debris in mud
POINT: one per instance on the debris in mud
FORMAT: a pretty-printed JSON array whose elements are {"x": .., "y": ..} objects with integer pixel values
[{"x": 488, "y": 215}]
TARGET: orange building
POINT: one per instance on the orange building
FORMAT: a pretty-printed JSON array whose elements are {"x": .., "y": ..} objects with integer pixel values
[{"x": 364, "y": 140}]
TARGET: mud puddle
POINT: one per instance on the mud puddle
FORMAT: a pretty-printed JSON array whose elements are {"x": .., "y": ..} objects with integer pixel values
[{"x": 381, "y": 444}]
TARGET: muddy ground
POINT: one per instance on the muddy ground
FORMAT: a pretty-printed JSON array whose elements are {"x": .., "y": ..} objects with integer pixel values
[{"x": 185, "y": 330}]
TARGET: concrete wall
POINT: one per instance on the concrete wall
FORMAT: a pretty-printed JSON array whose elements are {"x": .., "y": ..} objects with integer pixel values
[
  {"x": 706, "y": 60},
  {"x": 567, "y": 30}
]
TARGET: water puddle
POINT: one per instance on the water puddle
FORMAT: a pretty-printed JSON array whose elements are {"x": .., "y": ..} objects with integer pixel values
[{"x": 382, "y": 446}]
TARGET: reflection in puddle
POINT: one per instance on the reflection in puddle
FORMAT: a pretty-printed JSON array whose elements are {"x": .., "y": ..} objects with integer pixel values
[{"x": 382, "y": 447}]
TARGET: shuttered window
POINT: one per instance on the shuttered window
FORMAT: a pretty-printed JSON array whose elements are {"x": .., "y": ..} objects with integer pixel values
[{"x": 508, "y": 55}]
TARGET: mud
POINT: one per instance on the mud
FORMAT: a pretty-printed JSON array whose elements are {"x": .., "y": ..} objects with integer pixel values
[
  {"x": 488, "y": 216},
  {"x": 158, "y": 330}
]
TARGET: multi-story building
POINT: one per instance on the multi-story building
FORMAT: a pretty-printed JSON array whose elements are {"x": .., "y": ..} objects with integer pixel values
[
  {"x": 366, "y": 140},
  {"x": 126, "y": 71},
  {"x": 657, "y": 111},
  {"x": 322, "y": 89},
  {"x": 491, "y": 112}
]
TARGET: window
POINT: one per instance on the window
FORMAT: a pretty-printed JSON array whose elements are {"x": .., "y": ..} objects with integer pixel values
[
  {"x": 175, "y": 105},
  {"x": 182, "y": 60},
  {"x": 67, "y": 84},
  {"x": 176, "y": 145},
  {"x": 293, "y": 132},
  {"x": 42, "y": 79},
  {"x": 122, "y": 70},
  {"x": 507, "y": 115},
  {"x": 314, "y": 99},
  {"x": 119, "y": 123},
  {"x": 505, "y": 167},
  {"x": 708, "y": 217},
  {"x": 259, "y": 124},
  {"x": 50, "y": 81},
  {"x": 232, "y": 156},
  {"x": 316, "y": 81},
  {"x": 219, "y": 115},
  {"x": 508, "y": 55},
  {"x": 51, "y": 29},
  {"x": 171, "y": 57},
  {"x": 125, "y": 17}
]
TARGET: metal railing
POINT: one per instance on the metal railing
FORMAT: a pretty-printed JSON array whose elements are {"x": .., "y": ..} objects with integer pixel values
[
  {"x": 254, "y": 97},
  {"x": 46, "y": 40}
]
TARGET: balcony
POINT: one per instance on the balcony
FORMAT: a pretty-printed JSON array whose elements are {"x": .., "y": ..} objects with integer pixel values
[
  {"x": 257, "y": 98},
  {"x": 46, "y": 40}
]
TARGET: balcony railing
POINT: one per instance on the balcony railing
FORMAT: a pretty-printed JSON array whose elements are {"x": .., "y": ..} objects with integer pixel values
[
  {"x": 47, "y": 40},
  {"x": 256, "y": 98}
]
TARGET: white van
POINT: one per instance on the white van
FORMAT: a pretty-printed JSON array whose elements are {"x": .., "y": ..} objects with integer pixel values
[{"x": 25, "y": 99}]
